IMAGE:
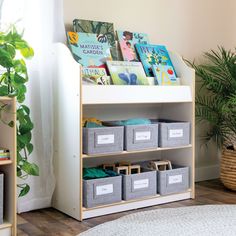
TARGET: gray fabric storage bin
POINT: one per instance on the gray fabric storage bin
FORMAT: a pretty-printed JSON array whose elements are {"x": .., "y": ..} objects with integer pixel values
[
  {"x": 173, "y": 181},
  {"x": 1, "y": 196},
  {"x": 173, "y": 133},
  {"x": 103, "y": 140},
  {"x": 138, "y": 137},
  {"x": 102, "y": 191},
  {"x": 139, "y": 185}
]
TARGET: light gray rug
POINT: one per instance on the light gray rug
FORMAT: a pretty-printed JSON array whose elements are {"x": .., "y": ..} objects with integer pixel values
[{"x": 217, "y": 220}]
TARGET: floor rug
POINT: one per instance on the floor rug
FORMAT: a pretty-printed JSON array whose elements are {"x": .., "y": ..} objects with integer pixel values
[{"x": 208, "y": 220}]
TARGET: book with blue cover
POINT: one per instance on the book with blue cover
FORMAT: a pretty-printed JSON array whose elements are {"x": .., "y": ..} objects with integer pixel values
[
  {"x": 127, "y": 40},
  {"x": 127, "y": 73},
  {"x": 164, "y": 75},
  {"x": 90, "y": 50},
  {"x": 150, "y": 55}
]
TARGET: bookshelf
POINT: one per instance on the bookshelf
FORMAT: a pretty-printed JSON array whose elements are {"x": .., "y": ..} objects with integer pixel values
[
  {"x": 73, "y": 101},
  {"x": 8, "y": 167}
]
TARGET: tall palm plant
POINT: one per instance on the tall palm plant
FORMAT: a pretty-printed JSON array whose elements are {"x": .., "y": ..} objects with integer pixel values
[{"x": 216, "y": 99}]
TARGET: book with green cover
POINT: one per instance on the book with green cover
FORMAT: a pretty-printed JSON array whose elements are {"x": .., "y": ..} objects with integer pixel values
[
  {"x": 127, "y": 73},
  {"x": 99, "y": 28}
]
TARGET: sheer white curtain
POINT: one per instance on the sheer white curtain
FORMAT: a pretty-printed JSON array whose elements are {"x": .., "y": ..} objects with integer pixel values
[{"x": 43, "y": 23}]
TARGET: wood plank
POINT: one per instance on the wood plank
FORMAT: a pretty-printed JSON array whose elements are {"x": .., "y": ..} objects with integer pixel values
[
  {"x": 207, "y": 192},
  {"x": 6, "y": 162}
]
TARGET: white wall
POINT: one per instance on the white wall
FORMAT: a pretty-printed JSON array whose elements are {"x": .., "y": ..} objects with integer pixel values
[{"x": 189, "y": 27}]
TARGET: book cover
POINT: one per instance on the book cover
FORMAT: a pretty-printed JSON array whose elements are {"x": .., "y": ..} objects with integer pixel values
[
  {"x": 153, "y": 55},
  {"x": 127, "y": 40},
  {"x": 93, "y": 73},
  {"x": 89, "y": 49},
  {"x": 127, "y": 73},
  {"x": 95, "y": 76},
  {"x": 164, "y": 75},
  {"x": 105, "y": 29}
]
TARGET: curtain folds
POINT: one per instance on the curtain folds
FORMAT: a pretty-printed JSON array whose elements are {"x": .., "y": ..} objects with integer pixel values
[{"x": 42, "y": 21}]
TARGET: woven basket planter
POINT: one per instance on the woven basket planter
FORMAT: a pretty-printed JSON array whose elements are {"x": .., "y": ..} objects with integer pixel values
[{"x": 228, "y": 169}]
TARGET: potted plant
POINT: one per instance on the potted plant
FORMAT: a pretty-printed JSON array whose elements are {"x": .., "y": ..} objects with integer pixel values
[
  {"x": 216, "y": 105},
  {"x": 13, "y": 50}
]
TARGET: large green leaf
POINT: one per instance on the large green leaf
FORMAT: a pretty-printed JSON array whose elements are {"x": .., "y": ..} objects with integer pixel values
[
  {"x": 30, "y": 168},
  {"x": 27, "y": 52},
  {"x": 3, "y": 90},
  {"x": 24, "y": 190},
  {"x": 5, "y": 58},
  {"x": 30, "y": 148},
  {"x": 10, "y": 49},
  {"x": 18, "y": 79}
]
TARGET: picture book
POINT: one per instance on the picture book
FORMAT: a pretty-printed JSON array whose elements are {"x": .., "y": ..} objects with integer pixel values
[
  {"x": 127, "y": 40},
  {"x": 164, "y": 75},
  {"x": 127, "y": 73},
  {"x": 91, "y": 75},
  {"x": 104, "y": 29},
  {"x": 89, "y": 49},
  {"x": 153, "y": 55},
  {"x": 89, "y": 72}
]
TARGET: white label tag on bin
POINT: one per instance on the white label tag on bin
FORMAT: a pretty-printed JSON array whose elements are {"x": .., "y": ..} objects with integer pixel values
[
  {"x": 176, "y": 133},
  {"x": 104, "y": 189},
  {"x": 145, "y": 135},
  {"x": 106, "y": 139},
  {"x": 142, "y": 183},
  {"x": 174, "y": 179}
]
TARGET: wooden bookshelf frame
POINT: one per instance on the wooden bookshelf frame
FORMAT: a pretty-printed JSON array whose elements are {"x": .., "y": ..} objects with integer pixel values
[{"x": 8, "y": 167}]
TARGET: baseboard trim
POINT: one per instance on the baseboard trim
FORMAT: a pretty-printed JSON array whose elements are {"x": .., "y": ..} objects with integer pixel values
[{"x": 207, "y": 172}]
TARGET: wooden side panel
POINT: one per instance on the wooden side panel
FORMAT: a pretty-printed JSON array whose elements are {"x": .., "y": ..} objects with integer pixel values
[{"x": 8, "y": 140}]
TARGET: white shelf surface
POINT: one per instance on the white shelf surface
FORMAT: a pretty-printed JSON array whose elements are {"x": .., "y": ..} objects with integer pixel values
[
  {"x": 133, "y": 94},
  {"x": 138, "y": 151},
  {"x": 134, "y": 204},
  {"x": 5, "y": 225}
]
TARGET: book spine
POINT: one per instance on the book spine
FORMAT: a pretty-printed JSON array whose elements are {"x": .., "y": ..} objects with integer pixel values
[{"x": 4, "y": 159}]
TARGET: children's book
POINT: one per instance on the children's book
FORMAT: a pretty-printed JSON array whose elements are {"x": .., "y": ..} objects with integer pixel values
[
  {"x": 127, "y": 40},
  {"x": 104, "y": 29},
  {"x": 89, "y": 49},
  {"x": 93, "y": 75},
  {"x": 89, "y": 72},
  {"x": 153, "y": 55},
  {"x": 127, "y": 73},
  {"x": 164, "y": 75}
]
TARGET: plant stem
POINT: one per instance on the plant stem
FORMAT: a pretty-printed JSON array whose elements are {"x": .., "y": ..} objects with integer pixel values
[{"x": 9, "y": 80}]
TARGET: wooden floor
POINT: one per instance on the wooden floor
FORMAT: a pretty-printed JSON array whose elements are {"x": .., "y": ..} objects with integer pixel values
[{"x": 50, "y": 222}]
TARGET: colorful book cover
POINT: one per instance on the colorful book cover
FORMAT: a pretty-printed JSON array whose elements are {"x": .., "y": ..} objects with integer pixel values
[
  {"x": 89, "y": 49},
  {"x": 127, "y": 40},
  {"x": 127, "y": 73},
  {"x": 95, "y": 73},
  {"x": 153, "y": 55},
  {"x": 105, "y": 29},
  {"x": 164, "y": 75},
  {"x": 94, "y": 76}
]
